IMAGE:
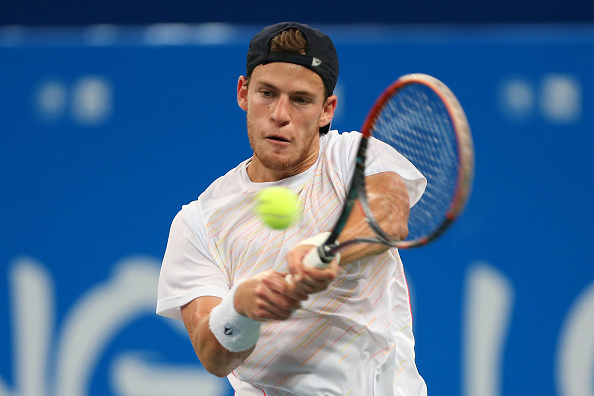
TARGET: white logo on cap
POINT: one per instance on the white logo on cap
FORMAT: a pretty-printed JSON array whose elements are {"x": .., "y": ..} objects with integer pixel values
[{"x": 316, "y": 62}]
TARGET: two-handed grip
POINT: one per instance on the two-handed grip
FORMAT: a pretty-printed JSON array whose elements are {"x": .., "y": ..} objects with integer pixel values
[{"x": 312, "y": 258}]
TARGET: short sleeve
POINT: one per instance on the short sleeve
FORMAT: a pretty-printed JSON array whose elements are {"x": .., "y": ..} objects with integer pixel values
[
  {"x": 187, "y": 271},
  {"x": 382, "y": 157}
]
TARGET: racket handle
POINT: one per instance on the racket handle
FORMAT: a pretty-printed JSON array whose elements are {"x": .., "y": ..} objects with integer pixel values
[{"x": 315, "y": 259}]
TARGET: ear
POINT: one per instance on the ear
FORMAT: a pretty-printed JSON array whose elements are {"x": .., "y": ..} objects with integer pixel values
[
  {"x": 242, "y": 93},
  {"x": 328, "y": 111}
]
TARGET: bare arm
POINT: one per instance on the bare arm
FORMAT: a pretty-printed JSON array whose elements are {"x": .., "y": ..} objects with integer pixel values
[
  {"x": 214, "y": 357},
  {"x": 388, "y": 198},
  {"x": 266, "y": 296}
]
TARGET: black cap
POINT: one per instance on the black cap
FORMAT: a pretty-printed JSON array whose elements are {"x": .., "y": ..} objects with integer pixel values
[{"x": 321, "y": 55}]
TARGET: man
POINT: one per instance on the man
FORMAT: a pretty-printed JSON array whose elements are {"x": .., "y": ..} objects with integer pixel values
[{"x": 342, "y": 330}]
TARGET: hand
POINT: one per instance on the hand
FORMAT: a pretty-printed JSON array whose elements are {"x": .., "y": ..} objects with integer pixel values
[
  {"x": 309, "y": 279},
  {"x": 267, "y": 296}
]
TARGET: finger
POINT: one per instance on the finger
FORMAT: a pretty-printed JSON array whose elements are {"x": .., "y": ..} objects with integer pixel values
[
  {"x": 310, "y": 286},
  {"x": 281, "y": 294},
  {"x": 282, "y": 306},
  {"x": 326, "y": 274},
  {"x": 295, "y": 288},
  {"x": 283, "y": 284},
  {"x": 295, "y": 260},
  {"x": 267, "y": 308}
]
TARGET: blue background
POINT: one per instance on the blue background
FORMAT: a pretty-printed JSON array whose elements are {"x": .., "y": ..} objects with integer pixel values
[
  {"x": 138, "y": 12},
  {"x": 141, "y": 119}
]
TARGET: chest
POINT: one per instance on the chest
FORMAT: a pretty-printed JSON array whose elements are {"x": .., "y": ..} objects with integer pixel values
[{"x": 242, "y": 244}]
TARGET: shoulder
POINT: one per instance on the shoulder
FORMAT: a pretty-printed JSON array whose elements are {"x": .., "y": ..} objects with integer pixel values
[
  {"x": 337, "y": 153},
  {"x": 334, "y": 138},
  {"x": 220, "y": 192},
  {"x": 340, "y": 146},
  {"x": 227, "y": 185}
]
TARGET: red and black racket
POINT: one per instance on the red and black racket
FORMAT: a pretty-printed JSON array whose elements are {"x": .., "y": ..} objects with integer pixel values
[{"x": 419, "y": 117}]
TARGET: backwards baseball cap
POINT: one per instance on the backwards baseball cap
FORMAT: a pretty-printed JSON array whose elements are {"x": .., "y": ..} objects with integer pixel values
[{"x": 321, "y": 55}]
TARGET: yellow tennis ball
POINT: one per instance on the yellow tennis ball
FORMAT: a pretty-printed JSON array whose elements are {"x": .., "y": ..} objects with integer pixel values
[{"x": 278, "y": 207}]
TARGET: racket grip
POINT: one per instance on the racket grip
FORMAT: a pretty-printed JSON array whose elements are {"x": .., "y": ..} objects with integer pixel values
[{"x": 313, "y": 259}]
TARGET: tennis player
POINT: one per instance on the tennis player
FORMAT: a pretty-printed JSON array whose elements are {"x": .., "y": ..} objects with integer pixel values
[{"x": 343, "y": 330}]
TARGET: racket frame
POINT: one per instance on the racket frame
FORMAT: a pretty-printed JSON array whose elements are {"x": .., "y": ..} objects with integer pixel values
[{"x": 357, "y": 191}]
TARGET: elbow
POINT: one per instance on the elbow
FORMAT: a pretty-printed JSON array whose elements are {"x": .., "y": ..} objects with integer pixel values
[
  {"x": 218, "y": 372},
  {"x": 402, "y": 232},
  {"x": 400, "y": 228},
  {"x": 220, "y": 362},
  {"x": 397, "y": 231},
  {"x": 215, "y": 367}
]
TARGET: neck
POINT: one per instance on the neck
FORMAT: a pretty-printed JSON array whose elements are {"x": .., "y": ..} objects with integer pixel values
[{"x": 259, "y": 173}]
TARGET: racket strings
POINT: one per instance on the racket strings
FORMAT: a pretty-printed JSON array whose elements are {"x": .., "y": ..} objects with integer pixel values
[{"x": 417, "y": 124}]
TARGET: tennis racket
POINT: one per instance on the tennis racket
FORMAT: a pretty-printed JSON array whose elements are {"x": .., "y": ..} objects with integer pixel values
[{"x": 419, "y": 117}]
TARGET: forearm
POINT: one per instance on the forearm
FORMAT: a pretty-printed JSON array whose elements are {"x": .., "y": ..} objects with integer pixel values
[
  {"x": 224, "y": 331},
  {"x": 388, "y": 199},
  {"x": 359, "y": 251},
  {"x": 215, "y": 358}
]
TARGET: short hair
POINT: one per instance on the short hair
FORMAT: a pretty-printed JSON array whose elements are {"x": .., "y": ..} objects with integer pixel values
[{"x": 290, "y": 40}]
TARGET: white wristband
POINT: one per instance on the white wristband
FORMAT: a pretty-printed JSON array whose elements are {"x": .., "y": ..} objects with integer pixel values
[{"x": 235, "y": 332}]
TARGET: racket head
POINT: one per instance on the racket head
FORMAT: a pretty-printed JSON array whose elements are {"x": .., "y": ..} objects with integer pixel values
[{"x": 420, "y": 117}]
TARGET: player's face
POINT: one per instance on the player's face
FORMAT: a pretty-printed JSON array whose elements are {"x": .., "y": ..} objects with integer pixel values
[{"x": 285, "y": 107}]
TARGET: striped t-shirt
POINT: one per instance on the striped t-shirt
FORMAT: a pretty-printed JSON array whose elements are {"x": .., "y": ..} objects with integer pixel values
[{"x": 355, "y": 338}]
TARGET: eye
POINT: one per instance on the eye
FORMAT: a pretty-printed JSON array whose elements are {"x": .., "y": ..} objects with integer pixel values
[{"x": 302, "y": 100}]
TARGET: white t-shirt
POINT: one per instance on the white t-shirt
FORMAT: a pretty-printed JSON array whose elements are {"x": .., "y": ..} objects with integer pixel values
[{"x": 355, "y": 337}]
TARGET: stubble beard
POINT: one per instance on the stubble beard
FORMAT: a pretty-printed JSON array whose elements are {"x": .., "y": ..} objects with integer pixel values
[{"x": 274, "y": 164}]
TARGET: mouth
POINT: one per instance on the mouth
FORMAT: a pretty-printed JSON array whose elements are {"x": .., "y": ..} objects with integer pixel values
[{"x": 277, "y": 138}]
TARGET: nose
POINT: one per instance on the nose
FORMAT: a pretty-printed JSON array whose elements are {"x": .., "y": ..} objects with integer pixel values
[{"x": 280, "y": 112}]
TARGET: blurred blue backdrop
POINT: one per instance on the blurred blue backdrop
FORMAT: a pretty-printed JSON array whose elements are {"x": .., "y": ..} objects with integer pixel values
[
  {"x": 106, "y": 131},
  {"x": 139, "y": 12}
]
